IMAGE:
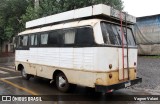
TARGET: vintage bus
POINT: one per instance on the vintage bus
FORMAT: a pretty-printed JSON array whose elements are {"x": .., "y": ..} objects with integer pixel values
[{"x": 97, "y": 52}]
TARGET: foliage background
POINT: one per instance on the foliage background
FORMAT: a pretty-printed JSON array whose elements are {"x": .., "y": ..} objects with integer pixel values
[{"x": 15, "y": 13}]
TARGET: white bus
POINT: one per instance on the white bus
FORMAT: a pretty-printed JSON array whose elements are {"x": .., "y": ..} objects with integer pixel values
[{"x": 87, "y": 52}]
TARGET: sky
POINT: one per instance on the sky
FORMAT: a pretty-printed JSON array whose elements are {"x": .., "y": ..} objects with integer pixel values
[{"x": 141, "y": 8}]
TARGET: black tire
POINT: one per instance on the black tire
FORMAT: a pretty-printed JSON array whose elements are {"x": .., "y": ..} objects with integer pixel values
[
  {"x": 25, "y": 75},
  {"x": 62, "y": 82}
]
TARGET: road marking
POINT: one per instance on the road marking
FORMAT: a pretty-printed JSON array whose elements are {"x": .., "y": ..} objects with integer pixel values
[
  {"x": 8, "y": 69},
  {"x": 12, "y": 77},
  {"x": 19, "y": 87},
  {"x": 3, "y": 72}
]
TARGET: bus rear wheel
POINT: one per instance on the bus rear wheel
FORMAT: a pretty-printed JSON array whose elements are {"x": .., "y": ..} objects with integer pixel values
[
  {"x": 62, "y": 82},
  {"x": 24, "y": 74}
]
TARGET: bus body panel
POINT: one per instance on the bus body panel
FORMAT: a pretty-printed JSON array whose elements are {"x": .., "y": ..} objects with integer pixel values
[
  {"x": 81, "y": 77},
  {"x": 78, "y": 64},
  {"x": 91, "y": 58}
]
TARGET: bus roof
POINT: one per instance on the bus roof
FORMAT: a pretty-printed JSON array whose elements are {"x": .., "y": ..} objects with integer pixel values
[
  {"x": 95, "y": 10},
  {"x": 90, "y": 22}
]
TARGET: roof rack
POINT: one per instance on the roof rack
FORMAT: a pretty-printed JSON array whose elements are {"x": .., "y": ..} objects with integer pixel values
[{"x": 86, "y": 12}]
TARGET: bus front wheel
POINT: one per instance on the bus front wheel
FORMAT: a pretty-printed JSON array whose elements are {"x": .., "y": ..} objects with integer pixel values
[
  {"x": 62, "y": 82},
  {"x": 25, "y": 75}
]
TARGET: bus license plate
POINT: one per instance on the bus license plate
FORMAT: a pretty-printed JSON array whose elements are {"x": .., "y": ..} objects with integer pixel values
[{"x": 127, "y": 84}]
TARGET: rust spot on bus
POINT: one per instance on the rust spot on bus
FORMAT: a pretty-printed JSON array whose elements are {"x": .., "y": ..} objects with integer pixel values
[{"x": 115, "y": 78}]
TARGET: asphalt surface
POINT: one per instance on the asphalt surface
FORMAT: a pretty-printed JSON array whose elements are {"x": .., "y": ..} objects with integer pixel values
[{"x": 148, "y": 69}]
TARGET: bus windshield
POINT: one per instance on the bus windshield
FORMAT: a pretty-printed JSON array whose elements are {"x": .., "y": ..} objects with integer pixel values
[{"x": 112, "y": 34}]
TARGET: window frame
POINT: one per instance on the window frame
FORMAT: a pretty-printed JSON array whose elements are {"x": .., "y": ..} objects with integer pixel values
[
  {"x": 20, "y": 46},
  {"x": 41, "y": 33},
  {"x": 93, "y": 37},
  {"x": 63, "y": 36},
  {"x": 120, "y": 36},
  {"x": 60, "y": 38},
  {"x": 27, "y": 41},
  {"x": 35, "y": 34}
]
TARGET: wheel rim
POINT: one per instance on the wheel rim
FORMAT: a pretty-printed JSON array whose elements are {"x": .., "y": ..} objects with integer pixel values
[
  {"x": 62, "y": 82},
  {"x": 24, "y": 73}
]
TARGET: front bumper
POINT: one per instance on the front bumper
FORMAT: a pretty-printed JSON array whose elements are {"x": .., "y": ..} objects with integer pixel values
[{"x": 102, "y": 88}]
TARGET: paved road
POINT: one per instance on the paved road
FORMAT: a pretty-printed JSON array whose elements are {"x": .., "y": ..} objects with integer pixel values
[
  {"x": 11, "y": 83},
  {"x": 149, "y": 70}
]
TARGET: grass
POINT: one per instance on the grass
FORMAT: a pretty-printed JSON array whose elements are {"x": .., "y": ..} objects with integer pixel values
[{"x": 158, "y": 56}]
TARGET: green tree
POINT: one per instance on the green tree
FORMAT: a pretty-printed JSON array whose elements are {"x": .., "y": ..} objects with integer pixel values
[
  {"x": 15, "y": 13},
  {"x": 10, "y": 17},
  {"x": 49, "y": 7}
]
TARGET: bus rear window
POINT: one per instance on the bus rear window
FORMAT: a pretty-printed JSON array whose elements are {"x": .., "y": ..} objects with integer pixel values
[{"x": 112, "y": 34}]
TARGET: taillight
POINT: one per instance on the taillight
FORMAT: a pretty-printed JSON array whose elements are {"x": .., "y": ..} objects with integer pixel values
[
  {"x": 135, "y": 70},
  {"x": 110, "y": 66},
  {"x": 110, "y": 76},
  {"x": 135, "y": 63}
]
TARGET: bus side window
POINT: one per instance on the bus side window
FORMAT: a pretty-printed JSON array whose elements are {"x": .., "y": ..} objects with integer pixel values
[
  {"x": 44, "y": 39},
  {"x": 54, "y": 38},
  {"x": 84, "y": 36},
  {"x": 16, "y": 41},
  {"x": 23, "y": 41},
  {"x": 69, "y": 36},
  {"x": 36, "y": 40},
  {"x": 33, "y": 40}
]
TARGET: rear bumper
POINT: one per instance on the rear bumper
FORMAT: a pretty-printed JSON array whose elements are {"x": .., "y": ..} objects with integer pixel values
[{"x": 102, "y": 88}]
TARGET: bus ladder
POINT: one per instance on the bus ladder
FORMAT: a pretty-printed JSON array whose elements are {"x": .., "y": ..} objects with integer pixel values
[{"x": 122, "y": 33}]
